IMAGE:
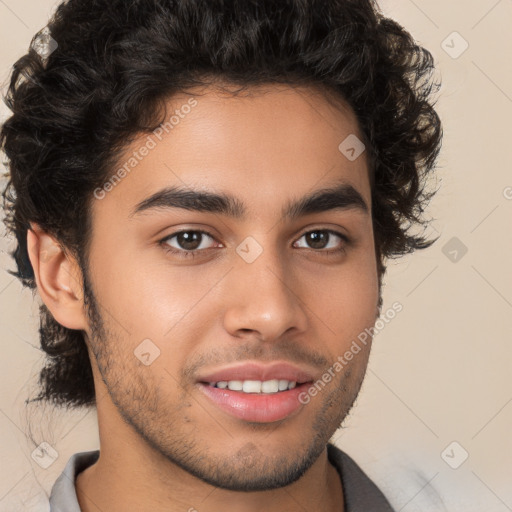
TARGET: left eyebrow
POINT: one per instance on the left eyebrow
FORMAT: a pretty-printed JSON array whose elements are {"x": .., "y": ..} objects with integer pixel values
[{"x": 342, "y": 197}]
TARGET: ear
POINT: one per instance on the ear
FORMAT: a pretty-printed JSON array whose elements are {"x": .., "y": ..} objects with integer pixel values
[{"x": 58, "y": 278}]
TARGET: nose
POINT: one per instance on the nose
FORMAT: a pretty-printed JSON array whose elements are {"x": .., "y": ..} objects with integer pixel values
[{"x": 264, "y": 299}]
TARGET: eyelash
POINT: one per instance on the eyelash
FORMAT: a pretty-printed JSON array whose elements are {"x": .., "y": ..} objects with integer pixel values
[{"x": 183, "y": 253}]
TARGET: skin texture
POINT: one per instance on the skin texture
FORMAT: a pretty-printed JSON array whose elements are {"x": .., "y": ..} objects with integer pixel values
[{"x": 164, "y": 444}]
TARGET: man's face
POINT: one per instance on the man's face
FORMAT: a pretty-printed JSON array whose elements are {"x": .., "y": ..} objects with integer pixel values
[{"x": 262, "y": 296}]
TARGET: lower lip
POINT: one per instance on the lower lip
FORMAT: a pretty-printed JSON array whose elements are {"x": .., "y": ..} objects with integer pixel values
[{"x": 256, "y": 407}]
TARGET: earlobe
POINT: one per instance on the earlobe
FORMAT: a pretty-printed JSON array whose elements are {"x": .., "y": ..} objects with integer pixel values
[{"x": 58, "y": 278}]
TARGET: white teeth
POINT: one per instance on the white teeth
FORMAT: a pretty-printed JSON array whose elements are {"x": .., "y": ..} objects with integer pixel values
[
  {"x": 235, "y": 385},
  {"x": 252, "y": 386},
  {"x": 270, "y": 386},
  {"x": 255, "y": 386},
  {"x": 283, "y": 384}
]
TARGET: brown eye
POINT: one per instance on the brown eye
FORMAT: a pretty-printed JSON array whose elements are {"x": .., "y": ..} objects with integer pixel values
[
  {"x": 322, "y": 239},
  {"x": 187, "y": 241},
  {"x": 317, "y": 239}
]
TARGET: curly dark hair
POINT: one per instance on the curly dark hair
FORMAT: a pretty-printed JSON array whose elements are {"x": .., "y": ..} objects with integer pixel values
[{"x": 117, "y": 62}]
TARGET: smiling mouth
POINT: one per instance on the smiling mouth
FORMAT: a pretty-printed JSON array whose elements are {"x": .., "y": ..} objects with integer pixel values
[{"x": 257, "y": 392}]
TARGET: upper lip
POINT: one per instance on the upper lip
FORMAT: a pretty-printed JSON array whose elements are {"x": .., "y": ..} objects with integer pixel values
[{"x": 258, "y": 371}]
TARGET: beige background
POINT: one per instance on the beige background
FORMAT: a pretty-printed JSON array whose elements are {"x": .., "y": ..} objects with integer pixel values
[{"x": 439, "y": 372}]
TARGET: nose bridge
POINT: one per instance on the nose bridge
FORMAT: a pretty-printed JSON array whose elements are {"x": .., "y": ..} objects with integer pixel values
[{"x": 261, "y": 296}]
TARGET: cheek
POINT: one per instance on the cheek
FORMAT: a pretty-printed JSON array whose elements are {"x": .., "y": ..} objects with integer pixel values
[
  {"x": 149, "y": 297},
  {"x": 345, "y": 298},
  {"x": 346, "y": 314}
]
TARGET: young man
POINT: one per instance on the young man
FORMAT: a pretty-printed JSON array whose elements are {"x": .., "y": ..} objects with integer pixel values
[{"x": 205, "y": 194}]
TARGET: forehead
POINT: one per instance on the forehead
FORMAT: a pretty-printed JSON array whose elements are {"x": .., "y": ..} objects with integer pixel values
[{"x": 265, "y": 145}]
